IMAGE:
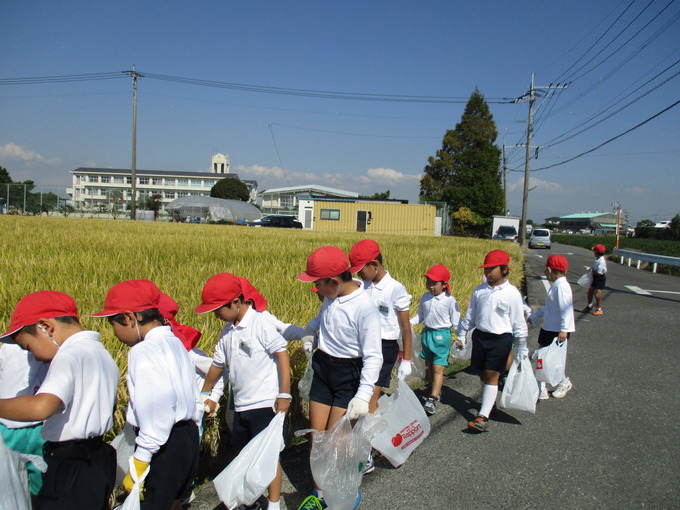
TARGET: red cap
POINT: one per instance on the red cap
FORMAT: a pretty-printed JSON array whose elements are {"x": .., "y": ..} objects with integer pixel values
[
  {"x": 440, "y": 273},
  {"x": 219, "y": 290},
  {"x": 188, "y": 335},
  {"x": 45, "y": 304},
  {"x": 362, "y": 253},
  {"x": 496, "y": 258},
  {"x": 557, "y": 262},
  {"x": 250, "y": 292},
  {"x": 599, "y": 248},
  {"x": 133, "y": 295},
  {"x": 326, "y": 262}
]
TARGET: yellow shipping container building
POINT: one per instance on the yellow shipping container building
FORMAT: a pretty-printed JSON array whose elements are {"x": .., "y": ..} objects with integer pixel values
[{"x": 370, "y": 217}]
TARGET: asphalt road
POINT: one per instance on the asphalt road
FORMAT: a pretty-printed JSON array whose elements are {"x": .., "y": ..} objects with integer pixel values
[{"x": 612, "y": 442}]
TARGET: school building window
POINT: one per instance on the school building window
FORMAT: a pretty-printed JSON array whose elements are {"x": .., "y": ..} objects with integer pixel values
[
  {"x": 143, "y": 180},
  {"x": 183, "y": 182},
  {"x": 106, "y": 179},
  {"x": 118, "y": 179},
  {"x": 92, "y": 178},
  {"x": 330, "y": 214},
  {"x": 157, "y": 181},
  {"x": 128, "y": 180},
  {"x": 196, "y": 183},
  {"x": 182, "y": 194},
  {"x": 169, "y": 194}
]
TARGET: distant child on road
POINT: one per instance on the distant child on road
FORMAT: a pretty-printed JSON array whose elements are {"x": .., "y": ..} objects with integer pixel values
[
  {"x": 599, "y": 271},
  {"x": 557, "y": 315}
]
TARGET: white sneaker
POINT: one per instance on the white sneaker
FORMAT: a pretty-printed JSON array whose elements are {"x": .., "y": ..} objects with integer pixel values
[
  {"x": 562, "y": 389},
  {"x": 544, "y": 394}
]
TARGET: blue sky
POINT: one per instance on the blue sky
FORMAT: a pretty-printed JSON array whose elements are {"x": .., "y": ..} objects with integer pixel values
[{"x": 605, "y": 49}]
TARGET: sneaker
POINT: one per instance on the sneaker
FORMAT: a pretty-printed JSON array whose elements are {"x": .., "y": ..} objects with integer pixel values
[
  {"x": 544, "y": 395},
  {"x": 369, "y": 467},
  {"x": 430, "y": 405},
  {"x": 562, "y": 389},
  {"x": 313, "y": 502},
  {"x": 479, "y": 424},
  {"x": 587, "y": 309},
  {"x": 598, "y": 311}
]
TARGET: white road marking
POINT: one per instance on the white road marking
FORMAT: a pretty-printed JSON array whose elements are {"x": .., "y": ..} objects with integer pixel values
[
  {"x": 648, "y": 292},
  {"x": 546, "y": 283}
]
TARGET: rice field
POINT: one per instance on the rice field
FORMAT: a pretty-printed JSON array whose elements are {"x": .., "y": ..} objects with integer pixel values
[{"x": 85, "y": 257}]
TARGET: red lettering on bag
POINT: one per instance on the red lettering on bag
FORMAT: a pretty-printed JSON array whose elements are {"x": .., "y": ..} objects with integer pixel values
[{"x": 539, "y": 364}]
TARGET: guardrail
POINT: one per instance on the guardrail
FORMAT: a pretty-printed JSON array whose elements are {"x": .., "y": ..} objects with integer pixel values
[{"x": 647, "y": 257}]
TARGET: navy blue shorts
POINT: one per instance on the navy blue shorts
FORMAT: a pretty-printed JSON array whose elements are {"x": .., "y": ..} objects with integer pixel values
[
  {"x": 599, "y": 281},
  {"x": 248, "y": 424},
  {"x": 545, "y": 338},
  {"x": 390, "y": 352},
  {"x": 490, "y": 351},
  {"x": 336, "y": 380}
]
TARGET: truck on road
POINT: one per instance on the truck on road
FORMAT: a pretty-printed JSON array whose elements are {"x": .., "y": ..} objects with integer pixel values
[{"x": 505, "y": 228}]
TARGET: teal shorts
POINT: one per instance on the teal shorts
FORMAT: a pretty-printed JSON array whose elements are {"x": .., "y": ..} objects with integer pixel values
[
  {"x": 436, "y": 345},
  {"x": 26, "y": 440}
]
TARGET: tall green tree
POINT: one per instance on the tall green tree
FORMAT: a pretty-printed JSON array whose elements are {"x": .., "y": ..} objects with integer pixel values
[
  {"x": 465, "y": 172},
  {"x": 230, "y": 188}
]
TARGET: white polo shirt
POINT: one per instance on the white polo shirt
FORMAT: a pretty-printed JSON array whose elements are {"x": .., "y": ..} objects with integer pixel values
[
  {"x": 247, "y": 350},
  {"x": 349, "y": 327},
  {"x": 202, "y": 363},
  {"x": 558, "y": 311},
  {"x": 437, "y": 312},
  {"x": 600, "y": 265},
  {"x": 162, "y": 387},
  {"x": 495, "y": 310},
  {"x": 288, "y": 331},
  {"x": 85, "y": 378},
  {"x": 20, "y": 374},
  {"x": 389, "y": 297}
]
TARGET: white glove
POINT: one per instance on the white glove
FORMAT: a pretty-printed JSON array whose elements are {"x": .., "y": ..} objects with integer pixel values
[
  {"x": 308, "y": 343},
  {"x": 206, "y": 407},
  {"x": 522, "y": 351},
  {"x": 357, "y": 407},
  {"x": 404, "y": 369}
]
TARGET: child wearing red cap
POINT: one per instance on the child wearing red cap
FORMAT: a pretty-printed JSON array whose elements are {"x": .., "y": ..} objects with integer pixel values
[
  {"x": 438, "y": 311},
  {"x": 347, "y": 363},
  {"x": 496, "y": 312},
  {"x": 557, "y": 315},
  {"x": 255, "y": 355},
  {"x": 75, "y": 400},
  {"x": 599, "y": 271},
  {"x": 164, "y": 400}
]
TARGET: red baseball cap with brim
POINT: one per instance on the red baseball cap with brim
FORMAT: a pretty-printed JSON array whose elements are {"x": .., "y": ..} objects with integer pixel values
[
  {"x": 218, "y": 291},
  {"x": 132, "y": 295},
  {"x": 599, "y": 248},
  {"x": 250, "y": 292},
  {"x": 440, "y": 273},
  {"x": 557, "y": 262},
  {"x": 45, "y": 304},
  {"x": 362, "y": 253},
  {"x": 496, "y": 258},
  {"x": 326, "y": 262}
]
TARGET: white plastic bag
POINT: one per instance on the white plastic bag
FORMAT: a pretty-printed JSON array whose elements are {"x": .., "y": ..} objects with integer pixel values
[
  {"x": 466, "y": 352},
  {"x": 521, "y": 389},
  {"x": 132, "y": 500},
  {"x": 338, "y": 458},
  {"x": 13, "y": 480},
  {"x": 586, "y": 280},
  {"x": 419, "y": 367},
  {"x": 406, "y": 424},
  {"x": 246, "y": 478},
  {"x": 305, "y": 383},
  {"x": 124, "y": 443},
  {"x": 550, "y": 362}
]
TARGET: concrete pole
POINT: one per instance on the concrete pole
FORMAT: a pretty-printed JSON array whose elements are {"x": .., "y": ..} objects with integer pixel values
[{"x": 527, "y": 158}]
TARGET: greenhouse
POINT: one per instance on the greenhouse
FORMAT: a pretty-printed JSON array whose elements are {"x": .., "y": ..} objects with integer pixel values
[{"x": 201, "y": 209}]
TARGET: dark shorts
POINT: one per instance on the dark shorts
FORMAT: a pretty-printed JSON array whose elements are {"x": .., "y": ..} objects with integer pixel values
[
  {"x": 390, "y": 352},
  {"x": 173, "y": 468},
  {"x": 248, "y": 424},
  {"x": 545, "y": 338},
  {"x": 336, "y": 380},
  {"x": 599, "y": 281},
  {"x": 80, "y": 474},
  {"x": 490, "y": 351}
]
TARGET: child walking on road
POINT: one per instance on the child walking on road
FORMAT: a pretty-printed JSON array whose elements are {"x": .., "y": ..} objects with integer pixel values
[
  {"x": 599, "y": 271},
  {"x": 496, "y": 311},
  {"x": 557, "y": 315}
]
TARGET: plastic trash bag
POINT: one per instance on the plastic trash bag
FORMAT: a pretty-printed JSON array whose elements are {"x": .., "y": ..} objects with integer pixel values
[
  {"x": 419, "y": 367},
  {"x": 132, "y": 501},
  {"x": 550, "y": 362},
  {"x": 406, "y": 424},
  {"x": 124, "y": 443},
  {"x": 521, "y": 388},
  {"x": 586, "y": 280},
  {"x": 14, "y": 493},
  {"x": 305, "y": 383},
  {"x": 246, "y": 478},
  {"x": 338, "y": 458},
  {"x": 466, "y": 352}
]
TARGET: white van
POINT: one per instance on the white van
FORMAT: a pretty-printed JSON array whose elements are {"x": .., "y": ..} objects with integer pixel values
[{"x": 540, "y": 238}]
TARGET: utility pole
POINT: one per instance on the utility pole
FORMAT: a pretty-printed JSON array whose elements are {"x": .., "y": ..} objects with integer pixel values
[
  {"x": 505, "y": 184},
  {"x": 530, "y": 130},
  {"x": 133, "y": 169}
]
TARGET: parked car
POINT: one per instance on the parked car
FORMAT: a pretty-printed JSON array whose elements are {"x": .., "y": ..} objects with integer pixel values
[
  {"x": 505, "y": 233},
  {"x": 540, "y": 238},
  {"x": 277, "y": 220}
]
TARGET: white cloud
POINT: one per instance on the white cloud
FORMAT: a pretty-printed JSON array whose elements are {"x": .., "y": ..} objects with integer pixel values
[
  {"x": 14, "y": 152},
  {"x": 538, "y": 184}
]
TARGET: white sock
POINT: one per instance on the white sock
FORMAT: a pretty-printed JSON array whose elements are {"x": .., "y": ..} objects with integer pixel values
[
  {"x": 319, "y": 493},
  {"x": 274, "y": 505},
  {"x": 488, "y": 399},
  {"x": 541, "y": 385},
  {"x": 565, "y": 381}
]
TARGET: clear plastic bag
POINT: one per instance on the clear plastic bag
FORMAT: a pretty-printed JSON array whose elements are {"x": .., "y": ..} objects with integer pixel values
[
  {"x": 466, "y": 352},
  {"x": 521, "y": 389},
  {"x": 550, "y": 362},
  {"x": 305, "y": 383},
  {"x": 586, "y": 280},
  {"x": 132, "y": 501},
  {"x": 419, "y": 367},
  {"x": 406, "y": 424},
  {"x": 338, "y": 458},
  {"x": 124, "y": 443},
  {"x": 247, "y": 476},
  {"x": 13, "y": 480}
]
